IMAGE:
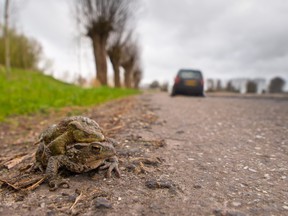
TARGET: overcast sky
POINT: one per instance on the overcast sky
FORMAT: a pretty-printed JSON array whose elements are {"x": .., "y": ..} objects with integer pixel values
[{"x": 223, "y": 38}]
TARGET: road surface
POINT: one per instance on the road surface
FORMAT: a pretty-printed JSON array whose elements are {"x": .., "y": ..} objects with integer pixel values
[
  {"x": 224, "y": 156},
  {"x": 228, "y": 154}
]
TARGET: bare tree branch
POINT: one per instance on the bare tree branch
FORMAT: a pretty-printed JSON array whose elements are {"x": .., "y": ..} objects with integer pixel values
[{"x": 99, "y": 18}]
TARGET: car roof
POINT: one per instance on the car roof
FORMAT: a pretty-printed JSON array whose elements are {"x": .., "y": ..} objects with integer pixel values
[{"x": 192, "y": 70}]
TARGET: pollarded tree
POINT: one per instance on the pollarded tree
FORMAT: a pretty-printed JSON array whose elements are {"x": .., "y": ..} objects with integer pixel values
[
  {"x": 230, "y": 87},
  {"x": 251, "y": 87},
  {"x": 137, "y": 76},
  {"x": 276, "y": 85},
  {"x": 114, "y": 52},
  {"x": 117, "y": 42},
  {"x": 99, "y": 18},
  {"x": 129, "y": 62},
  {"x": 154, "y": 85},
  {"x": 218, "y": 85}
]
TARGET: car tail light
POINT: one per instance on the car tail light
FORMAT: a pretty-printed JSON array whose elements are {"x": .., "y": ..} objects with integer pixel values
[{"x": 177, "y": 79}]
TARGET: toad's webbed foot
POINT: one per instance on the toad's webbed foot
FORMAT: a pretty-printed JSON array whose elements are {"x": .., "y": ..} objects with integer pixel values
[
  {"x": 36, "y": 166},
  {"x": 53, "y": 166},
  {"x": 54, "y": 184},
  {"x": 111, "y": 164}
]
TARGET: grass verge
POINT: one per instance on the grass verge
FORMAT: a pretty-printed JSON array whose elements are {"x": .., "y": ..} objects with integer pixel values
[{"x": 27, "y": 92}]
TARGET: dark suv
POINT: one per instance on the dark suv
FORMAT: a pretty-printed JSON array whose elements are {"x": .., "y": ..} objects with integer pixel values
[{"x": 188, "y": 81}]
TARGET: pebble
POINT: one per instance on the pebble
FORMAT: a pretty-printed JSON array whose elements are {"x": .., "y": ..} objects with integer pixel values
[
  {"x": 20, "y": 198},
  {"x": 259, "y": 137},
  {"x": 234, "y": 213},
  {"x": 236, "y": 204},
  {"x": 252, "y": 170},
  {"x": 285, "y": 207},
  {"x": 154, "y": 184},
  {"x": 283, "y": 177},
  {"x": 102, "y": 203},
  {"x": 267, "y": 176},
  {"x": 219, "y": 212},
  {"x": 197, "y": 186},
  {"x": 51, "y": 213}
]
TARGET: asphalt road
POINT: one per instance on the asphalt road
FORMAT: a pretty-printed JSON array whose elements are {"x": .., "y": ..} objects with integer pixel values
[
  {"x": 229, "y": 155},
  {"x": 225, "y": 155}
]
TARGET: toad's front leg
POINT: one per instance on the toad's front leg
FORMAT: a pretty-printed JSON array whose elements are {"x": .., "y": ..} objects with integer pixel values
[
  {"x": 111, "y": 164},
  {"x": 41, "y": 158},
  {"x": 54, "y": 181}
]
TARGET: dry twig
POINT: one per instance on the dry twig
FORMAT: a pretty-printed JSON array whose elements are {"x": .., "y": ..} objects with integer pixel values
[
  {"x": 9, "y": 164},
  {"x": 76, "y": 201},
  {"x": 115, "y": 128},
  {"x": 37, "y": 184},
  {"x": 9, "y": 184}
]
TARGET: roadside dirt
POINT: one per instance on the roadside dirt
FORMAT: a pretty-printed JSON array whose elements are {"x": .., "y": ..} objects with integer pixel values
[{"x": 178, "y": 156}]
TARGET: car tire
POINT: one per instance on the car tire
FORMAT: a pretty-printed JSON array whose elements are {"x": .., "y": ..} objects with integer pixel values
[{"x": 173, "y": 94}]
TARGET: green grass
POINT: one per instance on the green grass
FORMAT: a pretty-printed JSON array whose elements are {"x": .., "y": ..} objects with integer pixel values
[{"x": 27, "y": 92}]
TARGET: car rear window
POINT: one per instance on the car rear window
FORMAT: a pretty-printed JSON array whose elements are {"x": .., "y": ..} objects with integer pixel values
[{"x": 189, "y": 74}]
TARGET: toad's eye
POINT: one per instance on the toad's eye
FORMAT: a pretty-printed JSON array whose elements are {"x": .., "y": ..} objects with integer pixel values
[
  {"x": 96, "y": 148},
  {"x": 80, "y": 146}
]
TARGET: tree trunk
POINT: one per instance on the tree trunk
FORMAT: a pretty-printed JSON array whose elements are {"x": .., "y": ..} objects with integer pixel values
[
  {"x": 128, "y": 75},
  {"x": 116, "y": 69},
  {"x": 136, "y": 81},
  {"x": 6, "y": 35},
  {"x": 99, "y": 48}
]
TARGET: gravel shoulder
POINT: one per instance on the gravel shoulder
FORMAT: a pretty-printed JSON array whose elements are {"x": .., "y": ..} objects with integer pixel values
[{"x": 178, "y": 156}]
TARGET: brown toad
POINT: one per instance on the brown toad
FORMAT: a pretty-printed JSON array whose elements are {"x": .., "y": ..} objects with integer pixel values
[
  {"x": 82, "y": 157},
  {"x": 56, "y": 138}
]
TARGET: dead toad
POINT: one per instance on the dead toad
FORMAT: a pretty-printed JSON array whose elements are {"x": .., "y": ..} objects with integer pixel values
[
  {"x": 76, "y": 129},
  {"x": 82, "y": 157}
]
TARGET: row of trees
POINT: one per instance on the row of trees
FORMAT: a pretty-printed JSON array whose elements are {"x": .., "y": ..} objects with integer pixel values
[
  {"x": 108, "y": 24},
  {"x": 24, "y": 52},
  {"x": 17, "y": 50},
  {"x": 276, "y": 85}
]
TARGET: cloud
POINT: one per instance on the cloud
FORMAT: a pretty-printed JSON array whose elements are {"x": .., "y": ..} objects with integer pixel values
[
  {"x": 223, "y": 38},
  {"x": 236, "y": 38}
]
